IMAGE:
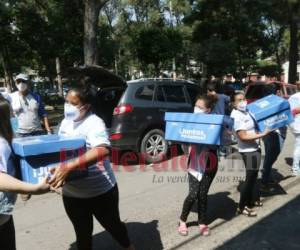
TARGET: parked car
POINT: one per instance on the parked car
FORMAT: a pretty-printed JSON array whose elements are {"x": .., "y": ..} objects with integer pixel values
[
  {"x": 138, "y": 120},
  {"x": 257, "y": 90}
]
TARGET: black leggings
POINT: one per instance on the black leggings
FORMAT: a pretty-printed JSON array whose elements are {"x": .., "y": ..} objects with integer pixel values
[
  {"x": 105, "y": 208},
  {"x": 7, "y": 235},
  {"x": 198, "y": 191},
  {"x": 252, "y": 162}
]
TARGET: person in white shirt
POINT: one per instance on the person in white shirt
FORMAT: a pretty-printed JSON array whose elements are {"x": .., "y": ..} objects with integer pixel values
[
  {"x": 28, "y": 108},
  {"x": 9, "y": 184},
  {"x": 248, "y": 146},
  {"x": 294, "y": 101},
  {"x": 88, "y": 183},
  {"x": 202, "y": 169}
]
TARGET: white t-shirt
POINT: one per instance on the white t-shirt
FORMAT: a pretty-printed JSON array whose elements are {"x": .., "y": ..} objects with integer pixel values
[
  {"x": 99, "y": 180},
  {"x": 7, "y": 199},
  {"x": 26, "y": 109},
  {"x": 294, "y": 101},
  {"x": 243, "y": 121},
  {"x": 199, "y": 157}
]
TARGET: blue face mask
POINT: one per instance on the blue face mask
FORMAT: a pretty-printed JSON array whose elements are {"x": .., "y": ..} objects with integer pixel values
[{"x": 14, "y": 124}]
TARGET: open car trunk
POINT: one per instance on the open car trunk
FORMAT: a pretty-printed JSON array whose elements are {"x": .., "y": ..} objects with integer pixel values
[{"x": 110, "y": 88}]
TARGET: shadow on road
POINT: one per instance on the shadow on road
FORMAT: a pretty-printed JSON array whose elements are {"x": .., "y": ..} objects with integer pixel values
[
  {"x": 220, "y": 206},
  {"x": 289, "y": 161},
  {"x": 143, "y": 235},
  {"x": 280, "y": 230}
]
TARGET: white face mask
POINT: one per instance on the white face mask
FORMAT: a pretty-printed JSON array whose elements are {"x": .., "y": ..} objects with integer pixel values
[
  {"x": 71, "y": 112},
  {"x": 22, "y": 86},
  {"x": 242, "y": 106},
  {"x": 198, "y": 110}
]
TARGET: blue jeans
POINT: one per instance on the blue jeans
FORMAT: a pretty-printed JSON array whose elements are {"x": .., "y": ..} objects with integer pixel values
[
  {"x": 273, "y": 143},
  {"x": 296, "y": 156}
]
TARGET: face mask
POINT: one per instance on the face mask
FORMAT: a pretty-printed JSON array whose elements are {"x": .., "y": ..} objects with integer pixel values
[
  {"x": 198, "y": 110},
  {"x": 242, "y": 106},
  {"x": 71, "y": 112},
  {"x": 22, "y": 86}
]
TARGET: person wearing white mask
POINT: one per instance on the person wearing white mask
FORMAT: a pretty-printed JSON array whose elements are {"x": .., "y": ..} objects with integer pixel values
[
  {"x": 94, "y": 191},
  {"x": 248, "y": 146},
  {"x": 202, "y": 169},
  {"x": 28, "y": 109}
]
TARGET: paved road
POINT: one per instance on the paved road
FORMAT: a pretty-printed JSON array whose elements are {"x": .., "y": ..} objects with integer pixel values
[{"x": 150, "y": 202}]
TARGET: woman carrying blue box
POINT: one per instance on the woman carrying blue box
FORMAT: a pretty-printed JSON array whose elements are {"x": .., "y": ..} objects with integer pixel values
[
  {"x": 248, "y": 146},
  {"x": 96, "y": 192},
  {"x": 9, "y": 184},
  {"x": 202, "y": 169}
]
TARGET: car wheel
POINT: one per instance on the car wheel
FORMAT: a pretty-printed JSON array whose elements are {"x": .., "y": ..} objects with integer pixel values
[{"x": 154, "y": 146}]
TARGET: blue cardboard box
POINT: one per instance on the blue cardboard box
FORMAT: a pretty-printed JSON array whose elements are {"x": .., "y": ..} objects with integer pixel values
[
  {"x": 271, "y": 111},
  {"x": 198, "y": 128},
  {"x": 38, "y": 154}
]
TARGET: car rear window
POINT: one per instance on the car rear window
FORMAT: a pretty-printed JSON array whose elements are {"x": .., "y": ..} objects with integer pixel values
[
  {"x": 193, "y": 93},
  {"x": 174, "y": 94},
  {"x": 260, "y": 91},
  {"x": 145, "y": 92}
]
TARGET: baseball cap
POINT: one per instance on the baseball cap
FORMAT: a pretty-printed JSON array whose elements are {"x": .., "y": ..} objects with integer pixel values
[{"x": 22, "y": 77}]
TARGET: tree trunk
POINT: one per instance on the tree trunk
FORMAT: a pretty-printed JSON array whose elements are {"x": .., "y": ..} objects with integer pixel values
[
  {"x": 278, "y": 65},
  {"x": 91, "y": 14},
  {"x": 59, "y": 79},
  {"x": 7, "y": 75},
  {"x": 293, "y": 52},
  {"x": 157, "y": 70}
]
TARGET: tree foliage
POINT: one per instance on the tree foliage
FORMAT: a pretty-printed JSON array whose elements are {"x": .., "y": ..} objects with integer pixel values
[{"x": 228, "y": 36}]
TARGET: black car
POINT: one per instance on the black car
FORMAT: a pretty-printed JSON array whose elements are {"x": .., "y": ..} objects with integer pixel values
[{"x": 138, "y": 120}]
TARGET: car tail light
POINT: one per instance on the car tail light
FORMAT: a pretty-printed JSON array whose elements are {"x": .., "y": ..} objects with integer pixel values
[
  {"x": 122, "y": 109},
  {"x": 115, "y": 137}
]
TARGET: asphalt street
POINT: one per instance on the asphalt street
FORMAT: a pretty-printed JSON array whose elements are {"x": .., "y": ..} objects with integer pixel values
[{"x": 151, "y": 198}]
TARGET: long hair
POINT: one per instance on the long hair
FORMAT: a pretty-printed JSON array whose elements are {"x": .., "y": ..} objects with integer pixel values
[{"x": 6, "y": 130}]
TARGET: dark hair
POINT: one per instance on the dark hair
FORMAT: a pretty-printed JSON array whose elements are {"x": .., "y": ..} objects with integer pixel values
[
  {"x": 210, "y": 101},
  {"x": 86, "y": 92},
  {"x": 5, "y": 126},
  {"x": 232, "y": 97},
  {"x": 211, "y": 86}
]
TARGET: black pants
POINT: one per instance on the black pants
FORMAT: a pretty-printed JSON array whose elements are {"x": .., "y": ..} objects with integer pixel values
[
  {"x": 252, "y": 162},
  {"x": 7, "y": 235},
  {"x": 198, "y": 191},
  {"x": 272, "y": 150},
  {"x": 105, "y": 208}
]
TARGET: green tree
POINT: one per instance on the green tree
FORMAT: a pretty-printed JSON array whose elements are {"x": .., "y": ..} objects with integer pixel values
[
  {"x": 156, "y": 45},
  {"x": 282, "y": 18},
  {"x": 229, "y": 33}
]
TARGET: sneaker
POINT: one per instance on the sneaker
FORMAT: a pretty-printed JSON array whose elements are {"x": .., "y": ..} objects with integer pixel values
[
  {"x": 182, "y": 229},
  {"x": 204, "y": 230}
]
